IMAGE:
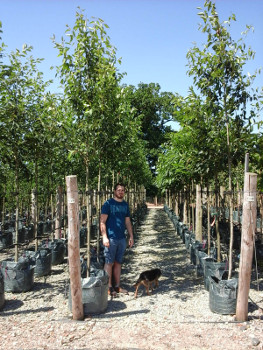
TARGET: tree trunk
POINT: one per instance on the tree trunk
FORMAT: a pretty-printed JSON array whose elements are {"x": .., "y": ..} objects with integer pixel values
[
  {"x": 208, "y": 221},
  {"x": 52, "y": 217},
  {"x": 88, "y": 204},
  {"x": 261, "y": 217},
  {"x": 36, "y": 204},
  {"x": 3, "y": 207},
  {"x": 193, "y": 206},
  {"x": 198, "y": 213},
  {"x": 98, "y": 212},
  {"x": 185, "y": 219},
  {"x": 17, "y": 210},
  {"x": 217, "y": 223},
  {"x": 34, "y": 214},
  {"x": 58, "y": 213}
]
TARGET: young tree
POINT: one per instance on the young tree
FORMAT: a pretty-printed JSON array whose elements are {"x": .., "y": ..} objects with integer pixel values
[
  {"x": 21, "y": 88},
  {"x": 217, "y": 71},
  {"x": 100, "y": 117}
]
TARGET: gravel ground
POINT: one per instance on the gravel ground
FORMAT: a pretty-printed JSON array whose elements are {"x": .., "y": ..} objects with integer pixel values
[{"x": 175, "y": 316}]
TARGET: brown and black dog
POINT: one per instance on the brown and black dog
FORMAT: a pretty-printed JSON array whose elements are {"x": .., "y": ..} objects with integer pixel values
[{"x": 147, "y": 278}]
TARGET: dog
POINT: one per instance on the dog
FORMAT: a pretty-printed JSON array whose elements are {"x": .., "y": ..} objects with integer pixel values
[{"x": 147, "y": 279}]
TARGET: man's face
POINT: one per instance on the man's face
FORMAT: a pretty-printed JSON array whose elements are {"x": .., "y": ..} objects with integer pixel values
[{"x": 119, "y": 192}]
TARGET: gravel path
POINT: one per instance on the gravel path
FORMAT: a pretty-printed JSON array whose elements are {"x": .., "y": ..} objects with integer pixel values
[{"x": 175, "y": 316}]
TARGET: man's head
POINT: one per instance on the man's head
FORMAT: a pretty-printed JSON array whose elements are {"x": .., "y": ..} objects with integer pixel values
[{"x": 119, "y": 191}]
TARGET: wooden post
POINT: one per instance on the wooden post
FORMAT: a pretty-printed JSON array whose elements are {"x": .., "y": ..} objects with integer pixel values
[
  {"x": 73, "y": 248},
  {"x": 248, "y": 230}
]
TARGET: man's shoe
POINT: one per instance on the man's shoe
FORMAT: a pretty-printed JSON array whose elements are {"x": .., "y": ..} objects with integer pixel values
[{"x": 121, "y": 290}]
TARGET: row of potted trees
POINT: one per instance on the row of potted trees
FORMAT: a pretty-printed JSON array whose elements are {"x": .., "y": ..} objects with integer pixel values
[{"x": 222, "y": 291}]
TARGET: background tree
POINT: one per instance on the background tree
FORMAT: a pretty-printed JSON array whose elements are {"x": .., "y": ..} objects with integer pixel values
[{"x": 154, "y": 108}]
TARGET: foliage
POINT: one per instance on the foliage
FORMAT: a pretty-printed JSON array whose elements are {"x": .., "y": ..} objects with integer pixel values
[
  {"x": 154, "y": 108},
  {"x": 217, "y": 118},
  {"x": 103, "y": 129}
]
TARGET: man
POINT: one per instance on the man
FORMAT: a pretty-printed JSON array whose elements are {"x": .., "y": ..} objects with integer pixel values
[{"x": 115, "y": 217}]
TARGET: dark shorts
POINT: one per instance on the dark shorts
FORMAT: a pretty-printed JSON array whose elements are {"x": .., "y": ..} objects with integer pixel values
[{"x": 115, "y": 251}]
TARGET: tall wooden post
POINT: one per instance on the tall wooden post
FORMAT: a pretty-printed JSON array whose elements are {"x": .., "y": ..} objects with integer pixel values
[
  {"x": 73, "y": 248},
  {"x": 248, "y": 230}
]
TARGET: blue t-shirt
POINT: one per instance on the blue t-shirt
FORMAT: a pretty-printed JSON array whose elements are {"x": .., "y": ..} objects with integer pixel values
[{"x": 117, "y": 212}]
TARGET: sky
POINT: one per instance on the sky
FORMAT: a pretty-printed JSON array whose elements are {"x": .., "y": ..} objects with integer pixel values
[{"x": 151, "y": 36}]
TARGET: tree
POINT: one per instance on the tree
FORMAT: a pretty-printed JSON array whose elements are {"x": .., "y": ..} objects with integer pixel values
[
  {"x": 21, "y": 90},
  {"x": 102, "y": 126},
  {"x": 154, "y": 108},
  {"x": 217, "y": 71}
]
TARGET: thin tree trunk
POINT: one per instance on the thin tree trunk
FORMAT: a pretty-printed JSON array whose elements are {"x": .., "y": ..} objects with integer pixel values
[
  {"x": 58, "y": 213},
  {"x": 34, "y": 212},
  {"x": 17, "y": 210},
  {"x": 193, "y": 206},
  {"x": 185, "y": 219},
  {"x": 217, "y": 223},
  {"x": 198, "y": 213},
  {"x": 88, "y": 204},
  {"x": 98, "y": 211},
  {"x": 231, "y": 227},
  {"x": 208, "y": 221},
  {"x": 52, "y": 217},
  {"x": 36, "y": 204},
  {"x": 3, "y": 207}
]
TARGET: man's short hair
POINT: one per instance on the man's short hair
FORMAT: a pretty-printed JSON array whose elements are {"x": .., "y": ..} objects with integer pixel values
[{"x": 119, "y": 184}]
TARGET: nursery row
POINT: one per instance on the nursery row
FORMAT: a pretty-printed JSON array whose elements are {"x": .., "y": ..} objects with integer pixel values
[
  {"x": 18, "y": 276},
  {"x": 222, "y": 291},
  {"x": 45, "y": 229}
]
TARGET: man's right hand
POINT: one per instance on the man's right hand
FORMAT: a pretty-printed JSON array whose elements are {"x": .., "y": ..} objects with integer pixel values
[{"x": 105, "y": 241}]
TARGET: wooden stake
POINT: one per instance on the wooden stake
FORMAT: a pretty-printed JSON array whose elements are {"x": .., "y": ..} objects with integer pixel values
[
  {"x": 248, "y": 229},
  {"x": 73, "y": 248}
]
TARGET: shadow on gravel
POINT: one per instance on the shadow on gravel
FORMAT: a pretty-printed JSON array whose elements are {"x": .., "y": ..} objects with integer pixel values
[
  {"x": 12, "y": 305},
  {"x": 115, "y": 308},
  {"x": 123, "y": 314},
  {"x": 9, "y": 305},
  {"x": 57, "y": 272}
]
